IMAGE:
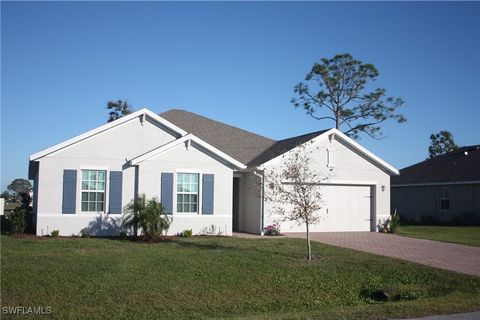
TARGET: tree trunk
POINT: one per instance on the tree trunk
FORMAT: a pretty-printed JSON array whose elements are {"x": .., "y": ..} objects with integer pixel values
[
  {"x": 337, "y": 120},
  {"x": 308, "y": 243}
]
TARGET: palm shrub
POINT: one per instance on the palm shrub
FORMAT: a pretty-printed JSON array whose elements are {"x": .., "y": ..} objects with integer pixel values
[
  {"x": 131, "y": 213},
  {"x": 148, "y": 215}
]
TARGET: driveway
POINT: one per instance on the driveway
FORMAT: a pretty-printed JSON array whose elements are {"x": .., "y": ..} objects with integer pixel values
[
  {"x": 458, "y": 316},
  {"x": 448, "y": 256}
]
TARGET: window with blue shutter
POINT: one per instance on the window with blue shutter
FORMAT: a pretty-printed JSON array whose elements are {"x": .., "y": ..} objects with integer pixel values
[
  {"x": 208, "y": 193},
  {"x": 166, "y": 191},
  {"x": 115, "y": 192},
  {"x": 69, "y": 197}
]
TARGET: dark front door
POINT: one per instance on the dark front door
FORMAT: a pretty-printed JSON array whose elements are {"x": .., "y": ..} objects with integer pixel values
[{"x": 235, "y": 203}]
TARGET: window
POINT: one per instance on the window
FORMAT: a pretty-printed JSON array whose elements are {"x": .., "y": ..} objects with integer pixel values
[
  {"x": 93, "y": 190},
  {"x": 187, "y": 192},
  {"x": 444, "y": 199}
]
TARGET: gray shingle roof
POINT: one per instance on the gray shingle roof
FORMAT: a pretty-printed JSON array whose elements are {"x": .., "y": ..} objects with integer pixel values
[
  {"x": 247, "y": 147},
  {"x": 453, "y": 166},
  {"x": 282, "y": 146},
  {"x": 242, "y": 145}
]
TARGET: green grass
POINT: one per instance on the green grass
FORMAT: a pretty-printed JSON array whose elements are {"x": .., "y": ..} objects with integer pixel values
[
  {"x": 209, "y": 277},
  {"x": 462, "y": 235}
]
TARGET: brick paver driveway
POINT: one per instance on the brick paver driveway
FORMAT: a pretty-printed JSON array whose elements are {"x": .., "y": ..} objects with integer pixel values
[{"x": 449, "y": 256}]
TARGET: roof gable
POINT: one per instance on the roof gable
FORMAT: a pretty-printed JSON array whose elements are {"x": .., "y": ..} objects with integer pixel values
[
  {"x": 253, "y": 149},
  {"x": 335, "y": 134},
  {"x": 461, "y": 165},
  {"x": 170, "y": 127},
  {"x": 188, "y": 139}
]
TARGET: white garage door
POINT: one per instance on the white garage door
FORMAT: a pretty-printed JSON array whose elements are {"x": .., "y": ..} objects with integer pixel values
[{"x": 347, "y": 208}]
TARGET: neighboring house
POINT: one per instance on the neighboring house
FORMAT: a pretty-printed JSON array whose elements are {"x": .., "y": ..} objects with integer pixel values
[
  {"x": 443, "y": 189},
  {"x": 204, "y": 172}
]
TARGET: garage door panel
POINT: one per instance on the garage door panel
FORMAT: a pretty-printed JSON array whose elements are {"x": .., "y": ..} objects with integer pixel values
[{"x": 345, "y": 208}]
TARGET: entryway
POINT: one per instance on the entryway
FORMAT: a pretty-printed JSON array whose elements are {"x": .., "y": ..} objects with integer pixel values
[{"x": 236, "y": 203}]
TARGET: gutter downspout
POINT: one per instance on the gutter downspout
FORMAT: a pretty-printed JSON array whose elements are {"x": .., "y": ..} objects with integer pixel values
[{"x": 262, "y": 199}]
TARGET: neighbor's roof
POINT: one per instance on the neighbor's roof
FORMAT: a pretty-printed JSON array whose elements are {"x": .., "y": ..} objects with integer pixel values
[
  {"x": 237, "y": 143},
  {"x": 461, "y": 165}
]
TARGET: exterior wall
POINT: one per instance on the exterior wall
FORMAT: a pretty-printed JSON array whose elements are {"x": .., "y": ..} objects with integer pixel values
[
  {"x": 107, "y": 151},
  {"x": 349, "y": 168},
  {"x": 422, "y": 203},
  {"x": 191, "y": 160}
]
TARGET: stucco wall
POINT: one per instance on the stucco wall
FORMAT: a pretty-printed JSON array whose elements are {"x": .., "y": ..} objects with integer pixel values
[
  {"x": 350, "y": 168},
  {"x": 109, "y": 151},
  {"x": 191, "y": 160},
  {"x": 422, "y": 203}
]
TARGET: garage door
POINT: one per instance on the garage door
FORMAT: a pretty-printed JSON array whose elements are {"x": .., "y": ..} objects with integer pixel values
[{"x": 347, "y": 208}]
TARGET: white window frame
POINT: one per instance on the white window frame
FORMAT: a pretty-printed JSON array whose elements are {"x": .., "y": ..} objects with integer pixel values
[
  {"x": 444, "y": 197},
  {"x": 199, "y": 200},
  {"x": 105, "y": 191}
]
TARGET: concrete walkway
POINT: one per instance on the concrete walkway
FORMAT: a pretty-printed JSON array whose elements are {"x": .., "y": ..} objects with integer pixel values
[{"x": 443, "y": 255}]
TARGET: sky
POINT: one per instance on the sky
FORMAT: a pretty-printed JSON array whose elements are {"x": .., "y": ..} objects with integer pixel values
[{"x": 61, "y": 62}]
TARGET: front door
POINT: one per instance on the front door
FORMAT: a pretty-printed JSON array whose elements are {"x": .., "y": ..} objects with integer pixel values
[{"x": 235, "y": 203}]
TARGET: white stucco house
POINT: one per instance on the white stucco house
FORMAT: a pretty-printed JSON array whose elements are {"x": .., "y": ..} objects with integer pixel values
[{"x": 204, "y": 172}]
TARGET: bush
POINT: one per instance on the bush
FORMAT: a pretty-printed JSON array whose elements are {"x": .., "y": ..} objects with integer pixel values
[
  {"x": 394, "y": 222},
  {"x": 272, "y": 230},
  {"x": 55, "y": 233},
  {"x": 18, "y": 219},
  {"x": 389, "y": 225},
  {"x": 187, "y": 233},
  {"x": 85, "y": 233},
  {"x": 147, "y": 214},
  {"x": 211, "y": 231}
]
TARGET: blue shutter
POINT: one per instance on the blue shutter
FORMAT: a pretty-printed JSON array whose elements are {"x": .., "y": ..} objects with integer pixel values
[
  {"x": 115, "y": 192},
  {"x": 69, "y": 191},
  {"x": 207, "y": 193},
  {"x": 166, "y": 195}
]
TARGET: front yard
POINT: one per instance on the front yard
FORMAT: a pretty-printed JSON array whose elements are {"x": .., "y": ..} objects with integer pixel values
[
  {"x": 462, "y": 235},
  {"x": 209, "y": 277}
]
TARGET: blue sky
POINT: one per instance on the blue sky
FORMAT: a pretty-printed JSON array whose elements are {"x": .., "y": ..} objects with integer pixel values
[{"x": 234, "y": 62}]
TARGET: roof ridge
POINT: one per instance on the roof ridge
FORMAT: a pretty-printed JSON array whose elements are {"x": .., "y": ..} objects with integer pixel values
[
  {"x": 304, "y": 135},
  {"x": 220, "y": 122}
]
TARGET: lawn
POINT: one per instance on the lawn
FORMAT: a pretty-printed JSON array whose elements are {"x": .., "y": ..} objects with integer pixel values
[
  {"x": 462, "y": 235},
  {"x": 210, "y": 277}
]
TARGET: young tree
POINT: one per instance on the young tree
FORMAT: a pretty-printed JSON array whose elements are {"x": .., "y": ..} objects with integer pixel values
[
  {"x": 118, "y": 109},
  {"x": 294, "y": 189},
  {"x": 441, "y": 143},
  {"x": 336, "y": 86}
]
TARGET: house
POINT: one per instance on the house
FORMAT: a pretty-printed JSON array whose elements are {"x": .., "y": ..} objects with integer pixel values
[
  {"x": 442, "y": 189},
  {"x": 203, "y": 171}
]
